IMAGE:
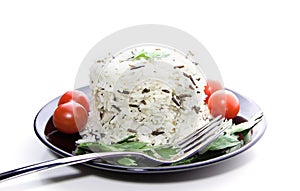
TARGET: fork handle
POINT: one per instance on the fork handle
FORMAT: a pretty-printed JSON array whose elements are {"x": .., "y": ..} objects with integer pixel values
[{"x": 51, "y": 164}]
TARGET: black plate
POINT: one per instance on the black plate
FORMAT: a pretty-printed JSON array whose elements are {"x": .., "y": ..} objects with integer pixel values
[{"x": 63, "y": 144}]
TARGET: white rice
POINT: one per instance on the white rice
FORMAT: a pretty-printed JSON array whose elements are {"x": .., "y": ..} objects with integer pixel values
[{"x": 159, "y": 100}]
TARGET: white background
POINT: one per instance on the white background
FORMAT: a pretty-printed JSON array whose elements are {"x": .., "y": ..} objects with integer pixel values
[{"x": 256, "y": 45}]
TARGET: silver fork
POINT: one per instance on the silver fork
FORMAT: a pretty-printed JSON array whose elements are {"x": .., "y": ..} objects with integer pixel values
[{"x": 193, "y": 143}]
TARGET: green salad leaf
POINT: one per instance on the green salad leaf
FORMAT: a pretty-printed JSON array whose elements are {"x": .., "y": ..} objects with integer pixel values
[
  {"x": 246, "y": 125},
  {"x": 127, "y": 162},
  {"x": 149, "y": 55},
  {"x": 233, "y": 138},
  {"x": 165, "y": 152},
  {"x": 223, "y": 142}
]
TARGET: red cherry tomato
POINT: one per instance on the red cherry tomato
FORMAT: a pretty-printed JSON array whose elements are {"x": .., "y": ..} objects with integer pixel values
[
  {"x": 211, "y": 87},
  {"x": 70, "y": 117},
  {"x": 76, "y": 96},
  {"x": 225, "y": 103}
]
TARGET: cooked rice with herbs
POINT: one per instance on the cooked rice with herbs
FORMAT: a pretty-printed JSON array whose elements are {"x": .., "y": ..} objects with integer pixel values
[{"x": 152, "y": 94}]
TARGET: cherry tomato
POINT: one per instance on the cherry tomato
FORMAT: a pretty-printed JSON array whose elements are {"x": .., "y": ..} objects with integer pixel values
[
  {"x": 70, "y": 117},
  {"x": 76, "y": 96},
  {"x": 225, "y": 103},
  {"x": 211, "y": 87}
]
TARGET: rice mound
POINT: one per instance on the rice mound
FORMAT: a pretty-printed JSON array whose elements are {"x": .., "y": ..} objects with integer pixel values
[{"x": 152, "y": 93}]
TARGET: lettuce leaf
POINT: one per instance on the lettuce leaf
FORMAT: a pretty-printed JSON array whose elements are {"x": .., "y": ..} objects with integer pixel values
[
  {"x": 149, "y": 55},
  {"x": 127, "y": 162},
  {"x": 246, "y": 125},
  {"x": 232, "y": 139},
  {"x": 223, "y": 142}
]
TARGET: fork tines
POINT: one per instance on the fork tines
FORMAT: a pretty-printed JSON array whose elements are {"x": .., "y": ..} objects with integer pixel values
[{"x": 203, "y": 136}]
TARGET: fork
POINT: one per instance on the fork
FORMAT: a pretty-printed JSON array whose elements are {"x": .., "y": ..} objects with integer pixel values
[{"x": 186, "y": 147}]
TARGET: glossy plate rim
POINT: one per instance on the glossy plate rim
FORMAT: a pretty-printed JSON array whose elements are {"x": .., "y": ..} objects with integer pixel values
[{"x": 248, "y": 108}]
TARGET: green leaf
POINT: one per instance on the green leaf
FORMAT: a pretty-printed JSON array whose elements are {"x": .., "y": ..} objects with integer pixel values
[
  {"x": 149, "y": 55},
  {"x": 186, "y": 161},
  {"x": 223, "y": 144},
  {"x": 247, "y": 136},
  {"x": 165, "y": 152},
  {"x": 246, "y": 125},
  {"x": 127, "y": 162},
  {"x": 102, "y": 147},
  {"x": 97, "y": 147},
  {"x": 129, "y": 146},
  {"x": 224, "y": 141},
  {"x": 127, "y": 139}
]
